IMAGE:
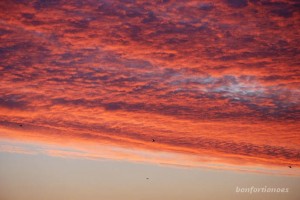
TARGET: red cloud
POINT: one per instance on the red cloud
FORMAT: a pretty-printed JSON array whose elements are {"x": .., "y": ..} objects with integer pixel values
[{"x": 219, "y": 80}]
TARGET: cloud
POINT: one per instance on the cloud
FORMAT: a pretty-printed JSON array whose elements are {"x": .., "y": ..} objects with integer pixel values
[
  {"x": 203, "y": 78},
  {"x": 237, "y": 3}
]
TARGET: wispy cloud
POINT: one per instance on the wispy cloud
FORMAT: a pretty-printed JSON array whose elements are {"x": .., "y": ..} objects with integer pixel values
[{"x": 214, "y": 79}]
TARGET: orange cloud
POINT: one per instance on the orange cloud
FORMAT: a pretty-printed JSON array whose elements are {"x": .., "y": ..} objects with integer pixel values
[{"x": 204, "y": 79}]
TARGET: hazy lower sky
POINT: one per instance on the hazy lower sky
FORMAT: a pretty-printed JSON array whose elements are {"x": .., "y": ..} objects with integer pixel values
[
  {"x": 43, "y": 177},
  {"x": 97, "y": 96}
]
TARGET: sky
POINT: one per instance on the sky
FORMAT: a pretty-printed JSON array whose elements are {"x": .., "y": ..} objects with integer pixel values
[{"x": 188, "y": 92}]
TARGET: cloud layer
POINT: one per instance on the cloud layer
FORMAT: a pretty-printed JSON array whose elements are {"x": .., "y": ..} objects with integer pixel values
[{"x": 216, "y": 79}]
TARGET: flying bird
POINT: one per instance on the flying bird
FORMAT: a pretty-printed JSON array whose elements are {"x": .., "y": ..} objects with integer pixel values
[
  {"x": 153, "y": 140},
  {"x": 290, "y": 166},
  {"x": 20, "y": 125}
]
